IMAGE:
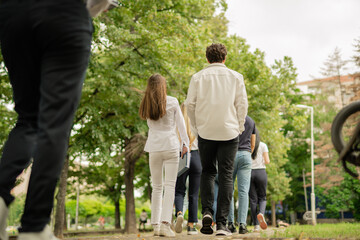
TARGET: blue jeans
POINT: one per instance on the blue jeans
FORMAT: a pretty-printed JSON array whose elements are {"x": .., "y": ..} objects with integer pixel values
[{"x": 242, "y": 169}]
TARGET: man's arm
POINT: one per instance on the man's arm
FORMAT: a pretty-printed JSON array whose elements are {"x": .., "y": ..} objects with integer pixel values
[
  {"x": 190, "y": 104},
  {"x": 241, "y": 103}
]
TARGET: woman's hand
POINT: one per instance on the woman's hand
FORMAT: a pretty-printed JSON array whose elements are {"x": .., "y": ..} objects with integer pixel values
[{"x": 184, "y": 150}]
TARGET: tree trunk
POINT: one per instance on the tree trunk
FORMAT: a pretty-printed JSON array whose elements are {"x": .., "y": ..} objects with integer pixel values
[
  {"x": 130, "y": 218},
  {"x": 117, "y": 214},
  {"x": 273, "y": 213},
  {"x": 60, "y": 205},
  {"x": 65, "y": 220},
  {"x": 341, "y": 91},
  {"x": 134, "y": 148}
]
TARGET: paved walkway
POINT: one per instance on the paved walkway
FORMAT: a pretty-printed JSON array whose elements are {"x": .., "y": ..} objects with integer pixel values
[{"x": 183, "y": 236}]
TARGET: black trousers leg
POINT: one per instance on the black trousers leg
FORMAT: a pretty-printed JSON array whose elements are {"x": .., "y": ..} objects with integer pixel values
[
  {"x": 224, "y": 152},
  {"x": 226, "y": 156},
  {"x": 257, "y": 193},
  {"x": 261, "y": 189},
  {"x": 180, "y": 191},
  {"x": 253, "y": 199},
  {"x": 47, "y": 56},
  {"x": 194, "y": 185}
]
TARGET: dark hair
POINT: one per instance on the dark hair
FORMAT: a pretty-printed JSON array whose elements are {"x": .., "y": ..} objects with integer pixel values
[
  {"x": 257, "y": 143},
  {"x": 153, "y": 104},
  {"x": 216, "y": 52}
]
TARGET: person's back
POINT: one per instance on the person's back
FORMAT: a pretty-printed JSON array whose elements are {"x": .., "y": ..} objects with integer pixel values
[
  {"x": 247, "y": 137},
  {"x": 163, "y": 115},
  {"x": 217, "y": 106},
  {"x": 218, "y": 89},
  {"x": 162, "y": 132}
]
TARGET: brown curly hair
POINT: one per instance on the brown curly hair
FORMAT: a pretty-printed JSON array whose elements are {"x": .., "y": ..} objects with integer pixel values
[
  {"x": 153, "y": 104},
  {"x": 216, "y": 53}
]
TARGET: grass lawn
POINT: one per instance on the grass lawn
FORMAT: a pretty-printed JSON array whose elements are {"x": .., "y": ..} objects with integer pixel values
[{"x": 339, "y": 230}]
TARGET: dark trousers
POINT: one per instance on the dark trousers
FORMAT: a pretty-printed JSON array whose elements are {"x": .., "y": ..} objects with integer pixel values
[
  {"x": 46, "y": 48},
  {"x": 257, "y": 193},
  {"x": 224, "y": 152},
  {"x": 194, "y": 174}
]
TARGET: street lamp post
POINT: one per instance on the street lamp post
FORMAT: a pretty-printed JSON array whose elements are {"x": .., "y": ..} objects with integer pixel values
[{"x": 313, "y": 216}]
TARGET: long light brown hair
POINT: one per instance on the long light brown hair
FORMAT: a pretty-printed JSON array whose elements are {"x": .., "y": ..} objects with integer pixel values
[
  {"x": 187, "y": 124},
  {"x": 153, "y": 104}
]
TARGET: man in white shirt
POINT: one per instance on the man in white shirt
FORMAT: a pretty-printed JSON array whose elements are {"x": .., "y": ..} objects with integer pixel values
[{"x": 217, "y": 106}]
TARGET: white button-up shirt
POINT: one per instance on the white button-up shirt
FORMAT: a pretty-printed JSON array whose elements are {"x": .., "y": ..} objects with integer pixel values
[
  {"x": 217, "y": 103},
  {"x": 162, "y": 134}
]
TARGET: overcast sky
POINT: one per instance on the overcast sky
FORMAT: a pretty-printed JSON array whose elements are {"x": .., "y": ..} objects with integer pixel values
[{"x": 306, "y": 30}]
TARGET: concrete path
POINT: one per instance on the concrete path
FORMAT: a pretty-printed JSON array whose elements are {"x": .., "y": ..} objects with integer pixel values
[{"x": 183, "y": 236}]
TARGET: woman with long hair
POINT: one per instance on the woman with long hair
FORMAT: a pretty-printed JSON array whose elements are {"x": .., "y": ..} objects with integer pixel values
[
  {"x": 258, "y": 184},
  {"x": 194, "y": 174},
  {"x": 163, "y": 116}
]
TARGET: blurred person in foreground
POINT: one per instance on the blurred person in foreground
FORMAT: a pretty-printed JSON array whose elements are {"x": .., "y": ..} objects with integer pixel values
[{"x": 46, "y": 48}]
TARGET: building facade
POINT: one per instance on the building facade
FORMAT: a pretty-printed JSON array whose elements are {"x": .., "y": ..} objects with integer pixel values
[{"x": 339, "y": 90}]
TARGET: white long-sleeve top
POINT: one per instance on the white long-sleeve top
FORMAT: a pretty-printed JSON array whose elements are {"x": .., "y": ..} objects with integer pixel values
[
  {"x": 217, "y": 103},
  {"x": 162, "y": 135}
]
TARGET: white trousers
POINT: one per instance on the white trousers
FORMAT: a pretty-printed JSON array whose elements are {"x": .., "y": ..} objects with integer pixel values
[{"x": 162, "y": 204}]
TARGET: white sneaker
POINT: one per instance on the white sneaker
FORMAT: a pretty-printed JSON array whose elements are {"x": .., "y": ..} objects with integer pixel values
[
  {"x": 156, "y": 230},
  {"x": 256, "y": 228},
  {"x": 179, "y": 222},
  {"x": 262, "y": 221},
  {"x": 4, "y": 210},
  {"x": 45, "y": 234},
  {"x": 166, "y": 231}
]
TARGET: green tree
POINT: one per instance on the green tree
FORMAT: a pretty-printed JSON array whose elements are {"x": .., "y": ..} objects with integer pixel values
[
  {"x": 104, "y": 179},
  {"x": 271, "y": 93},
  {"x": 343, "y": 197},
  {"x": 90, "y": 207},
  {"x": 335, "y": 66},
  {"x": 7, "y": 115},
  {"x": 356, "y": 57},
  {"x": 130, "y": 44}
]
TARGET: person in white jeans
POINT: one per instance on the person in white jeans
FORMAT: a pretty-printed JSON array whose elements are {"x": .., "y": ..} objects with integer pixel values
[{"x": 164, "y": 118}]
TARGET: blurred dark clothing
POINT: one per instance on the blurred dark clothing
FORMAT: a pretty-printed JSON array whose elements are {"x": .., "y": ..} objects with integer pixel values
[{"x": 46, "y": 48}]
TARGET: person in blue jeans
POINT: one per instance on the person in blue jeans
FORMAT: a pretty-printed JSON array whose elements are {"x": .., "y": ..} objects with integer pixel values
[{"x": 242, "y": 170}]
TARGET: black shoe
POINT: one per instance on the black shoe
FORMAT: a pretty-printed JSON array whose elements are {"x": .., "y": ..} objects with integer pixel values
[
  {"x": 243, "y": 229},
  {"x": 231, "y": 227},
  {"x": 192, "y": 230},
  {"x": 206, "y": 224},
  {"x": 222, "y": 230}
]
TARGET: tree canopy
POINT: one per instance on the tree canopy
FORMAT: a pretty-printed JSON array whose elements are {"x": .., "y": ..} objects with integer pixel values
[{"x": 138, "y": 39}]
